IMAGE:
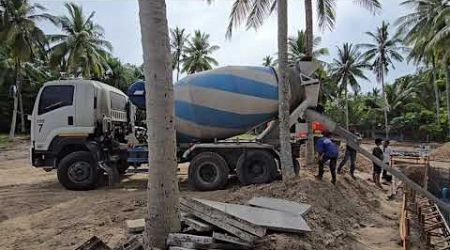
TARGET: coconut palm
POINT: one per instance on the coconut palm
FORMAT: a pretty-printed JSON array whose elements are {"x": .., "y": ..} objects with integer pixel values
[
  {"x": 253, "y": 13},
  {"x": 346, "y": 69},
  {"x": 163, "y": 209},
  {"x": 269, "y": 61},
  {"x": 382, "y": 53},
  {"x": 198, "y": 53},
  {"x": 19, "y": 32},
  {"x": 81, "y": 49},
  {"x": 297, "y": 48},
  {"x": 417, "y": 29},
  {"x": 178, "y": 39}
]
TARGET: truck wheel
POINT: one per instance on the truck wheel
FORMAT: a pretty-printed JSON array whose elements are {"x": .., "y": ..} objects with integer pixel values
[
  {"x": 208, "y": 171},
  {"x": 78, "y": 171},
  {"x": 256, "y": 167}
]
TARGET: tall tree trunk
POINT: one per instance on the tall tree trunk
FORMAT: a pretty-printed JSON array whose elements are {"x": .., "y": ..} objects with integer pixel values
[
  {"x": 163, "y": 212},
  {"x": 385, "y": 106},
  {"x": 436, "y": 90},
  {"x": 283, "y": 93},
  {"x": 19, "y": 95},
  {"x": 12, "y": 129},
  {"x": 346, "y": 108},
  {"x": 447, "y": 88},
  {"x": 309, "y": 28},
  {"x": 178, "y": 65},
  {"x": 309, "y": 49}
]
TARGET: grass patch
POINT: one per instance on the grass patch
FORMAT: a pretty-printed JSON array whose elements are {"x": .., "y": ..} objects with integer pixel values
[{"x": 4, "y": 140}]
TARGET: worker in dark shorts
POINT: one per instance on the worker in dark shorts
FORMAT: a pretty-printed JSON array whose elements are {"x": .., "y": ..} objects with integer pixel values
[
  {"x": 377, "y": 152},
  {"x": 350, "y": 154},
  {"x": 328, "y": 151}
]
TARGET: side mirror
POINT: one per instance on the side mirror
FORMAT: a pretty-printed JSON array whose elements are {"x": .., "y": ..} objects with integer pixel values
[{"x": 30, "y": 117}]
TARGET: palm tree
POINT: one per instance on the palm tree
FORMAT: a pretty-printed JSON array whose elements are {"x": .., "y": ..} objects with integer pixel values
[
  {"x": 346, "y": 69},
  {"x": 198, "y": 53},
  {"x": 297, "y": 48},
  {"x": 417, "y": 30},
  {"x": 255, "y": 11},
  {"x": 383, "y": 51},
  {"x": 81, "y": 50},
  {"x": 268, "y": 61},
  {"x": 177, "y": 43},
  {"x": 19, "y": 32},
  {"x": 163, "y": 210}
]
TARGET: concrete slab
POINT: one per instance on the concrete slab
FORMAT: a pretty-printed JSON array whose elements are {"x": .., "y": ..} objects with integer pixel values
[
  {"x": 230, "y": 239},
  {"x": 135, "y": 226},
  {"x": 292, "y": 207},
  {"x": 272, "y": 219}
]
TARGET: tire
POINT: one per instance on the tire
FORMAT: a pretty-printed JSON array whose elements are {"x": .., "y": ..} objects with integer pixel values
[
  {"x": 256, "y": 167},
  {"x": 78, "y": 171},
  {"x": 208, "y": 171}
]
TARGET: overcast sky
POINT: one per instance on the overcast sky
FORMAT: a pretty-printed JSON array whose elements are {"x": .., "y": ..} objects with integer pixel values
[{"x": 120, "y": 20}]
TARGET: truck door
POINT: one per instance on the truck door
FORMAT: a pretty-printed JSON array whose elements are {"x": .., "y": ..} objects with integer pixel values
[{"x": 54, "y": 113}]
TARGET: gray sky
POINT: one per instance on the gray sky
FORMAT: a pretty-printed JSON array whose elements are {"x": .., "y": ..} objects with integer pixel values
[{"x": 120, "y": 20}]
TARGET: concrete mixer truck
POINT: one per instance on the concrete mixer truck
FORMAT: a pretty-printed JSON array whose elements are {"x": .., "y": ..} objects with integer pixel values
[{"x": 81, "y": 128}]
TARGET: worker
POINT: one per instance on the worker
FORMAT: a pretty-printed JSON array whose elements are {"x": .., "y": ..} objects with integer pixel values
[
  {"x": 328, "y": 151},
  {"x": 386, "y": 159},
  {"x": 377, "y": 152},
  {"x": 350, "y": 154}
]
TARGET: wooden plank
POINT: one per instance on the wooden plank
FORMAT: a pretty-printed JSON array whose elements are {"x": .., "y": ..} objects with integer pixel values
[
  {"x": 180, "y": 248},
  {"x": 220, "y": 224},
  {"x": 196, "y": 225},
  {"x": 229, "y": 219},
  {"x": 135, "y": 226},
  {"x": 197, "y": 242},
  {"x": 273, "y": 219},
  {"x": 230, "y": 239},
  {"x": 280, "y": 205},
  {"x": 174, "y": 239}
]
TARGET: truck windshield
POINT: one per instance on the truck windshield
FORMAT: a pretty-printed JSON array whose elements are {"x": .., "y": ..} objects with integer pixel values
[{"x": 55, "y": 97}]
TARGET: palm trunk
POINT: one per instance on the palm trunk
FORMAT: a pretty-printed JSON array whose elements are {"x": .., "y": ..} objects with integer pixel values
[
  {"x": 163, "y": 212},
  {"x": 385, "y": 106},
  {"x": 346, "y": 108},
  {"x": 283, "y": 94},
  {"x": 447, "y": 88},
  {"x": 436, "y": 90},
  {"x": 178, "y": 66},
  {"x": 309, "y": 28},
  {"x": 12, "y": 129},
  {"x": 19, "y": 96},
  {"x": 309, "y": 49}
]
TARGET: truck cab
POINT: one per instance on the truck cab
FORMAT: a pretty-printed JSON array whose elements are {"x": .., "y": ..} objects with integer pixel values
[{"x": 74, "y": 125}]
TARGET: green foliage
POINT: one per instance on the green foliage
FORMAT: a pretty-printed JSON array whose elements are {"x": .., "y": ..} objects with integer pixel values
[
  {"x": 198, "y": 53},
  {"x": 297, "y": 48},
  {"x": 81, "y": 49}
]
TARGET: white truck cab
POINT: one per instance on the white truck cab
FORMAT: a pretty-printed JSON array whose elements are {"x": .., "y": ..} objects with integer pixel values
[{"x": 74, "y": 125}]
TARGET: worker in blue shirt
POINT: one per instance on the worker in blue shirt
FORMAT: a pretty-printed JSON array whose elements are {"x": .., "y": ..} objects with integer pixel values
[{"x": 328, "y": 151}]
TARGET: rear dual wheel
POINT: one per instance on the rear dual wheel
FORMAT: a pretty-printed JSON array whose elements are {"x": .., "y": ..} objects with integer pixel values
[
  {"x": 208, "y": 171},
  {"x": 256, "y": 167}
]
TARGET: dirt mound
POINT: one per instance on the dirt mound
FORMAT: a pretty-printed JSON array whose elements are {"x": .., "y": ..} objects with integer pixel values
[
  {"x": 441, "y": 153},
  {"x": 337, "y": 211}
]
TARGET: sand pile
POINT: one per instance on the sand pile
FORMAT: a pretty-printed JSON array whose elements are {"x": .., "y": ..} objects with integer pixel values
[
  {"x": 441, "y": 153},
  {"x": 337, "y": 210}
]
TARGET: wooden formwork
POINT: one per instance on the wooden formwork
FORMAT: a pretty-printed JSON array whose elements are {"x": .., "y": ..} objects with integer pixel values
[{"x": 434, "y": 227}]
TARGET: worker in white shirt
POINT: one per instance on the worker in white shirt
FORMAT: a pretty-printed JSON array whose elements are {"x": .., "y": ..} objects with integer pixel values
[{"x": 387, "y": 151}]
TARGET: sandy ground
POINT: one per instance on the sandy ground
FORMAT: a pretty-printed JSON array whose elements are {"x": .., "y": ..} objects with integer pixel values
[{"x": 37, "y": 213}]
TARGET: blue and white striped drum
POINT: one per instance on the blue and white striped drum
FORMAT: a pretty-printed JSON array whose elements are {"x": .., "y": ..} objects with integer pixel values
[{"x": 220, "y": 103}]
